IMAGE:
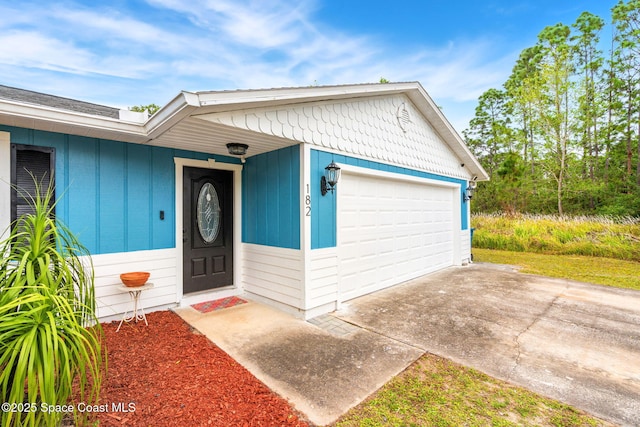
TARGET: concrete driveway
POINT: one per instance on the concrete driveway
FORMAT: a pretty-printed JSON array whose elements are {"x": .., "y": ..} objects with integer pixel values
[
  {"x": 574, "y": 342},
  {"x": 571, "y": 341}
]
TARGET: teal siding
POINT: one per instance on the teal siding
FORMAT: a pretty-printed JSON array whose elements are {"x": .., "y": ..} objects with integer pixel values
[
  {"x": 323, "y": 218},
  {"x": 112, "y": 197},
  {"x": 138, "y": 181},
  {"x": 323, "y": 213},
  {"x": 81, "y": 194},
  {"x": 163, "y": 196},
  {"x": 271, "y": 199},
  {"x": 111, "y": 193}
]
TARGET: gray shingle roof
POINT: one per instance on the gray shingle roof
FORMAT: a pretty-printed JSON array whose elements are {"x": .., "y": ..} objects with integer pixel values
[{"x": 37, "y": 98}]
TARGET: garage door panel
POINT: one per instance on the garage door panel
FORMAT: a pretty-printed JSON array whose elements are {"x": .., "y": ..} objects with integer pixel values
[{"x": 391, "y": 231}]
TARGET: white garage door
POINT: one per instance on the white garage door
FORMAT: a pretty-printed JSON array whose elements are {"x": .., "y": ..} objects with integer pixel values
[{"x": 390, "y": 231}]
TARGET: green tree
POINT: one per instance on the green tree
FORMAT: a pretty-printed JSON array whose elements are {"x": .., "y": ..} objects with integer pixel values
[
  {"x": 626, "y": 21},
  {"x": 522, "y": 89},
  {"x": 589, "y": 62},
  {"x": 510, "y": 173},
  {"x": 571, "y": 118},
  {"x": 554, "y": 104},
  {"x": 151, "y": 109},
  {"x": 489, "y": 132},
  {"x": 490, "y": 136}
]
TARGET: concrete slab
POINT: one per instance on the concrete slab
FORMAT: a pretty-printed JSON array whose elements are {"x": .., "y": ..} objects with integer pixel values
[
  {"x": 571, "y": 341},
  {"x": 323, "y": 373}
]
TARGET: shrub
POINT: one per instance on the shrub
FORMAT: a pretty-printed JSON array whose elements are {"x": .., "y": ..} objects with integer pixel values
[{"x": 48, "y": 352}]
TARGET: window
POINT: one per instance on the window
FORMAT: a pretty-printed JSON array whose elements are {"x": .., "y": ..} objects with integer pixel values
[{"x": 27, "y": 160}]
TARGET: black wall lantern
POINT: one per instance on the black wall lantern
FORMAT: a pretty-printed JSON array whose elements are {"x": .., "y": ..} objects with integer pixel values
[
  {"x": 330, "y": 178},
  {"x": 468, "y": 194}
]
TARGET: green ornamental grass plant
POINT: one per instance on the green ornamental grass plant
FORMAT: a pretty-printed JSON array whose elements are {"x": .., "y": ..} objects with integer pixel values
[
  {"x": 50, "y": 340},
  {"x": 597, "y": 236}
]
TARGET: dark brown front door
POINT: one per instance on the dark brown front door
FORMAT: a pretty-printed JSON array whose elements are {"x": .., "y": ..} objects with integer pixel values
[{"x": 207, "y": 229}]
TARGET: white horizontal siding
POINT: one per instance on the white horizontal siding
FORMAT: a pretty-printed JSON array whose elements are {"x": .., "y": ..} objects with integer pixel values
[
  {"x": 107, "y": 269},
  {"x": 465, "y": 246},
  {"x": 273, "y": 273},
  {"x": 322, "y": 284}
]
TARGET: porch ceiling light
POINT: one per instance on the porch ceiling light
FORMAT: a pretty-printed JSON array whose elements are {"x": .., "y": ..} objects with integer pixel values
[
  {"x": 330, "y": 178},
  {"x": 237, "y": 149}
]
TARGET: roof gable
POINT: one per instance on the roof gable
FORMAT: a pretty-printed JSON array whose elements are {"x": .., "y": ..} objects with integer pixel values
[
  {"x": 207, "y": 121},
  {"x": 388, "y": 129}
]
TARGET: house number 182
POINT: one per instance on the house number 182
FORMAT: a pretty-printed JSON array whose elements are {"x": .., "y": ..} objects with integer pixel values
[{"x": 307, "y": 203}]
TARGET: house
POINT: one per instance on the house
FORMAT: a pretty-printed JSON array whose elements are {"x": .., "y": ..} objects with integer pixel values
[{"x": 177, "y": 195}]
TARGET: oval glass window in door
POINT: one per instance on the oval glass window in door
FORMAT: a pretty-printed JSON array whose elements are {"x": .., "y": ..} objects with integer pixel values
[{"x": 208, "y": 213}]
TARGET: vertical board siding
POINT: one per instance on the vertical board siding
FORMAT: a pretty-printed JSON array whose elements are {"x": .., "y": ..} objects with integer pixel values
[
  {"x": 323, "y": 217},
  {"x": 139, "y": 215},
  {"x": 274, "y": 273},
  {"x": 81, "y": 189},
  {"x": 271, "y": 199},
  {"x": 163, "y": 198},
  {"x": 323, "y": 208},
  {"x": 111, "y": 193}
]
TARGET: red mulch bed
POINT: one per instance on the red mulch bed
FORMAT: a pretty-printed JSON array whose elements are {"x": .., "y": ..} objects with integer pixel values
[{"x": 173, "y": 376}]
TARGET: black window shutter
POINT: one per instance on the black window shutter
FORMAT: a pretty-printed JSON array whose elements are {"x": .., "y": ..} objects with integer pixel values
[{"x": 27, "y": 160}]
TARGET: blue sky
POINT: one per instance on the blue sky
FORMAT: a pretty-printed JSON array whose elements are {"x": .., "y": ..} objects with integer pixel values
[{"x": 130, "y": 52}]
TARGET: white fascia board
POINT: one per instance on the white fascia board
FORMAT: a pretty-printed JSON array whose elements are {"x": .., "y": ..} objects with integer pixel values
[
  {"x": 46, "y": 118},
  {"x": 432, "y": 112},
  {"x": 168, "y": 116},
  {"x": 265, "y": 97}
]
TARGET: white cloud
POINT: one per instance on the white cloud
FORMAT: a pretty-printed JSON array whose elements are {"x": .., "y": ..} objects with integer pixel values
[
  {"x": 258, "y": 24},
  {"x": 31, "y": 49},
  {"x": 227, "y": 44}
]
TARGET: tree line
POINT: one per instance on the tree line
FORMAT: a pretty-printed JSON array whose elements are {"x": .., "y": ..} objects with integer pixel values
[{"x": 562, "y": 135}]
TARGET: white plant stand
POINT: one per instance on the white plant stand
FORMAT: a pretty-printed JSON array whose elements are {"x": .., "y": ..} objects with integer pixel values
[{"x": 138, "y": 312}]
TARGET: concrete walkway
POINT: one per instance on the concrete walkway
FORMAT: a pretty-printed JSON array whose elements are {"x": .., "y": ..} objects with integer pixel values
[{"x": 574, "y": 342}]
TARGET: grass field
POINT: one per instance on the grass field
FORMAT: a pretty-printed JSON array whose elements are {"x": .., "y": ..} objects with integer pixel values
[
  {"x": 437, "y": 392},
  {"x": 617, "y": 238},
  {"x": 598, "y": 270}
]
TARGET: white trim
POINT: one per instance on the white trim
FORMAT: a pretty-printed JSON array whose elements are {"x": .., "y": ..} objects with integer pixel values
[
  {"x": 32, "y": 116},
  {"x": 357, "y": 170},
  {"x": 237, "y": 223},
  {"x": 5, "y": 183},
  {"x": 305, "y": 221}
]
